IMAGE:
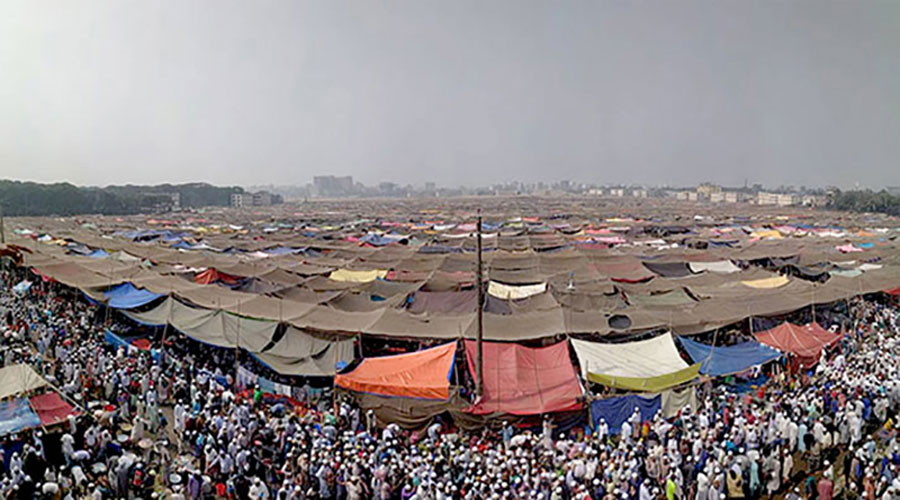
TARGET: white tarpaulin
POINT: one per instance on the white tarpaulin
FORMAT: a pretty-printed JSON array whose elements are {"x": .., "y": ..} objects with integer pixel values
[
  {"x": 721, "y": 266},
  {"x": 16, "y": 379},
  {"x": 641, "y": 359},
  {"x": 502, "y": 291}
]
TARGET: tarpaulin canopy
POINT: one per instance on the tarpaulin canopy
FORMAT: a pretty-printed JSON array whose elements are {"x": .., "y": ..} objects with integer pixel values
[
  {"x": 647, "y": 384},
  {"x": 16, "y": 415},
  {"x": 806, "y": 342},
  {"x": 643, "y": 358},
  {"x": 721, "y": 266},
  {"x": 16, "y": 379},
  {"x": 51, "y": 408},
  {"x": 353, "y": 276},
  {"x": 521, "y": 380},
  {"x": 299, "y": 353},
  {"x": 774, "y": 282},
  {"x": 669, "y": 269},
  {"x": 726, "y": 360},
  {"x": 127, "y": 296},
  {"x": 504, "y": 291},
  {"x": 211, "y": 276},
  {"x": 423, "y": 374},
  {"x": 647, "y": 365},
  {"x": 615, "y": 411}
]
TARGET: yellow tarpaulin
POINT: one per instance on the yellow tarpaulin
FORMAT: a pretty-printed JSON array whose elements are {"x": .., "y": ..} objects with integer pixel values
[
  {"x": 647, "y": 384},
  {"x": 771, "y": 233},
  {"x": 357, "y": 276},
  {"x": 773, "y": 282}
]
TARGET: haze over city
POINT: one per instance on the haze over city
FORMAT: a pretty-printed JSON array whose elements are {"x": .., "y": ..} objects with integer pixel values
[{"x": 457, "y": 93}]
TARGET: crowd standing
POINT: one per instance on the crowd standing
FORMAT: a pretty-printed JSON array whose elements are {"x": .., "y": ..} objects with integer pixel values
[{"x": 172, "y": 425}]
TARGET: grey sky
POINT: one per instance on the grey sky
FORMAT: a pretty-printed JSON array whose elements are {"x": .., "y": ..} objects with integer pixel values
[{"x": 237, "y": 92}]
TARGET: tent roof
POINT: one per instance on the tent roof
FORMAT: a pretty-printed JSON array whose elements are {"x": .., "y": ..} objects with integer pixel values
[
  {"x": 19, "y": 378},
  {"x": 726, "y": 360},
  {"x": 423, "y": 374},
  {"x": 805, "y": 341},
  {"x": 521, "y": 380},
  {"x": 641, "y": 359}
]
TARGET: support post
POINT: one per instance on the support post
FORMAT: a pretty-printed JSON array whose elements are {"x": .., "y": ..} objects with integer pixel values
[{"x": 479, "y": 364}]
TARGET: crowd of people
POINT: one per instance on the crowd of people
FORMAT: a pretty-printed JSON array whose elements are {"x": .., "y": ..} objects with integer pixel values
[{"x": 173, "y": 425}]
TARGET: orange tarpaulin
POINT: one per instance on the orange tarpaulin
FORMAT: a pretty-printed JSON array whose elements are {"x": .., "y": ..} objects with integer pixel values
[
  {"x": 806, "y": 342},
  {"x": 423, "y": 374},
  {"x": 521, "y": 380}
]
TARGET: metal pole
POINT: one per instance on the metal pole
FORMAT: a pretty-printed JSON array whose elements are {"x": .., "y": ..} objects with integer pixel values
[
  {"x": 2, "y": 227},
  {"x": 479, "y": 365}
]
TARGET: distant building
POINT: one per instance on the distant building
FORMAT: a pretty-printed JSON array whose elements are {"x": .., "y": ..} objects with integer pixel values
[
  {"x": 639, "y": 193},
  {"x": 706, "y": 189},
  {"x": 787, "y": 200},
  {"x": 257, "y": 199},
  {"x": 763, "y": 198},
  {"x": 241, "y": 200},
  {"x": 331, "y": 185},
  {"x": 617, "y": 192}
]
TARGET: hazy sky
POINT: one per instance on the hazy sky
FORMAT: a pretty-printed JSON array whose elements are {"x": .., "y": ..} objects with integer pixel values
[{"x": 253, "y": 92}]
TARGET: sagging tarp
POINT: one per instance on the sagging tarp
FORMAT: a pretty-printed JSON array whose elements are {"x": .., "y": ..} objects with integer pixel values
[
  {"x": 424, "y": 374},
  {"x": 51, "y": 409},
  {"x": 19, "y": 378},
  {"x": 806, "y": 342},
  {"x": 353, "y": 276},
  {"x": 721, "y": 267},
  {"x": 511, "y": 292},
  {"x": 669, "y": 269},
  {"x": 647, "y": 384},
  {"x": 299, "y": 353},
  {"x": 650, "y": 365},
  {"x": 16, "y": 415},
  {"x": 521, "y": 380},
  {"x": 727, "y": 360},
  {"x": 411, "y": 413},
  {"x": 127, "y": 296},
  {"x": 615, "y": 411},
  {"x": 675, "y": 400},
  {"x": 643, "y": 358}
]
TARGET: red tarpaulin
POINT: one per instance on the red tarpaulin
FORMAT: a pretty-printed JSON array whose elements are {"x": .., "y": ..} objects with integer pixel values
[
  {"x": 520, "y": 380},
  {"x": 423, "y": 374},
  {"x": 806, "y": 342},
  {"x": 51, "y": 408},
  {"x": 211, "y": 276},
  {"x": 893, "y": 291}
]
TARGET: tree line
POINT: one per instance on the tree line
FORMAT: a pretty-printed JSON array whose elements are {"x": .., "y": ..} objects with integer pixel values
[
  {"x": 35, "y": 199},
  {"x": 865, "y": 201}
]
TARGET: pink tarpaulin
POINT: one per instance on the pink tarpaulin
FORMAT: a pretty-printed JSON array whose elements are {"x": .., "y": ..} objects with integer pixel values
[
  {"x": 806, "y": 342},
  {"x": 520, "y": 380},
  {"x": 51, "y": 408}
]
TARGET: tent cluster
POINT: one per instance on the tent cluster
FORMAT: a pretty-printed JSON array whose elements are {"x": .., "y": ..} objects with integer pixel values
[
  {"x": 299, "y": 297},
  {"x": 27, "y": 401}
]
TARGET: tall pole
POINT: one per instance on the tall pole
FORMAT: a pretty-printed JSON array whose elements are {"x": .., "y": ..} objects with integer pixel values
[
  {"x": 479, "y": 365},
  {"x": 2, "y": 227}
]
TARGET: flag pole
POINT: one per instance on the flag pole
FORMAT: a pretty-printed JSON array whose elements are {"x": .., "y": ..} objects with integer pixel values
[{"x": 479, "y": 365}]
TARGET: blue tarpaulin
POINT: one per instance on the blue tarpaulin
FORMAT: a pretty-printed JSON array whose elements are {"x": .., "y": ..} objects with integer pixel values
[
  {"x": 726, "y": 360},
  {"x": 16, "y": 415},
  {"x": 98, "y": 254},
  {"x": 127, "y": 296},
  {"x": 615, "y": 411}
]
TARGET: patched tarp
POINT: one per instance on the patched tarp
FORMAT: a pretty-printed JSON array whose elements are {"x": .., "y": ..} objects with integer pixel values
[
  {"x": 19, "y": 378},
  {"x": 51, "y": 408},
  {"x": 727, "y": 360},
  {"x": 16, "y": 415},
  {"x": 521, "y": 380},
  {"x": 424, "y": 374},
  {"x": 615, "y": 411},
  {"x": 806, "y": 342},
  {"x": 127, "y": 296}
]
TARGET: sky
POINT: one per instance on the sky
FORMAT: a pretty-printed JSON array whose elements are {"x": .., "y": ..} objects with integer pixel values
[{"x": 676, "y": 92}]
